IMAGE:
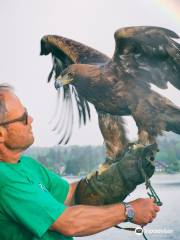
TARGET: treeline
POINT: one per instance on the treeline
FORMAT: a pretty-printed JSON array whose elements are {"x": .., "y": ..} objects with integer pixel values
[
  {"x": 169, "y": 154},
  {"x": 80, "y": 160},
  {"x": 72, "y": 160}
]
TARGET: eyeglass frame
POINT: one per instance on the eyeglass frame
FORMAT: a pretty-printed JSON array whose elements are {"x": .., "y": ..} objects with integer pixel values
[{"x": 24, "y": 118}]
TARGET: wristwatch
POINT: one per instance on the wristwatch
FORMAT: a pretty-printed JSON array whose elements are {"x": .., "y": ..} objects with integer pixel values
[{"x": 129, "y": 212}]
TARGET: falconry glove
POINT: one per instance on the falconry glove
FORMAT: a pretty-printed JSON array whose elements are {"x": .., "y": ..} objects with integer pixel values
[{"x": 120, "y": 179}]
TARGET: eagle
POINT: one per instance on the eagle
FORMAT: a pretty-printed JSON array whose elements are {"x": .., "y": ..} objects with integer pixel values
[{"x": 118, "y": 86}]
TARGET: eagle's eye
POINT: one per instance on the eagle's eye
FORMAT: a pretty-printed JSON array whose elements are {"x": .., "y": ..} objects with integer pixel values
[{"x": 70, "y": 75}]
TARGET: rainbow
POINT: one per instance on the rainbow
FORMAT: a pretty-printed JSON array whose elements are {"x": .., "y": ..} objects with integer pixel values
[{"x": 171, "y": 7}]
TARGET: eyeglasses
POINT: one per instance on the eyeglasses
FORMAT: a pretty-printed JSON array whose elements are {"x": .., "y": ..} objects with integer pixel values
[{"x": 23, "y": 118}]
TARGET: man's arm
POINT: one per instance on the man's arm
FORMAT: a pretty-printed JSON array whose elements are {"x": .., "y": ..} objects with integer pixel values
[
  {"x": 70, "y": 197},
  {"x": 82, "y": 220}
]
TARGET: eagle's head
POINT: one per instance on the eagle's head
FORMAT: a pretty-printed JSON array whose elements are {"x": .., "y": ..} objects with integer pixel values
[
  {"x": 79, "y": 75},
  {"x": 66, "y": 77}
]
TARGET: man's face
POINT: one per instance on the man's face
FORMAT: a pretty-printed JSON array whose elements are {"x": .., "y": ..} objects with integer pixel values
[{"x": 19, "y": 134}]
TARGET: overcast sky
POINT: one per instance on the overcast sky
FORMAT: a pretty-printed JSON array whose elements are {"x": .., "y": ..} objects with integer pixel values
[{"x": 93, "y": 22}]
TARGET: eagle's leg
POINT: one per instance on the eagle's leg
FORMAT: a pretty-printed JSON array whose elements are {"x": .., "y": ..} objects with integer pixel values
[
  {"x": 119, "y": 179},
  {"x": 145, "y": 138},
  {"x": 147, "y": 123},
  {"x": 115, "y": 140}
]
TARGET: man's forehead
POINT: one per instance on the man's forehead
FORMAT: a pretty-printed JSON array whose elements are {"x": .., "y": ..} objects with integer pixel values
[{"x": 12, "y": 102}]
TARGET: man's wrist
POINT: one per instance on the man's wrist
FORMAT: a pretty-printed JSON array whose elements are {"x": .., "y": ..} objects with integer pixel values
[
  {"x": 128, "y": 212},
  {"x": 123, "y": 212}
]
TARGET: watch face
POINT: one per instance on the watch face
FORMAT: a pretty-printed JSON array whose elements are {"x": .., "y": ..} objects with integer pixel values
[{"x": 130, "y": 213}]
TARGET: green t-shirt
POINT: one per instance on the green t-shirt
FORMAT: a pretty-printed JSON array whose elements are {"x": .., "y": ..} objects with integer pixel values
[{"x": 31, "y": 199}]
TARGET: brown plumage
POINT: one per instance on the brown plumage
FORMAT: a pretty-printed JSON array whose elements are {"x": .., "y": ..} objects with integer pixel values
[{"x": 119, "y": 86}]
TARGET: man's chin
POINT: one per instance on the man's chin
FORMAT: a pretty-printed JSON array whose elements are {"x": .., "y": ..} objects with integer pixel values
[{"x": 28, "y": 144}]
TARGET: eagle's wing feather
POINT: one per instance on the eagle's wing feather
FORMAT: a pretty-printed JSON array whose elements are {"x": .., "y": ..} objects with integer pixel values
[
  {"x": 149, "y": 53},
  {"x": 70, "y": 51},
  {"x": 65, "y": 52}
]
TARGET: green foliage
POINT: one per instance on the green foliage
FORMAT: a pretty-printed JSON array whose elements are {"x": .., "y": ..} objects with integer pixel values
[
  {"x": 169, "y": 154},
  {"x": 73, "y": 160}
]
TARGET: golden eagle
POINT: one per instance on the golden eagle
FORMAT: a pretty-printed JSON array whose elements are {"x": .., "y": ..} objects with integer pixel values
[{"x": 118, "y": 86}]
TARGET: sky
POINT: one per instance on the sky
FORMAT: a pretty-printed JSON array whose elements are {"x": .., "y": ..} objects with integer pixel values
[{"x": 92, "y": 22}]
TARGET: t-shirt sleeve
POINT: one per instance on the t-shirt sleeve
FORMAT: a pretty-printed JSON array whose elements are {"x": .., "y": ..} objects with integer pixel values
[
  {"x": 58, "y": 186},
  {"x": 32, "y": 206}
]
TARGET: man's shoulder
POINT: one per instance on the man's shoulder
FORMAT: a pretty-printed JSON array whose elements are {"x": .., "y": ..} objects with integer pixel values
[
  {"x": 33, "y": 165},
  {"x": 28, "y": 160}
]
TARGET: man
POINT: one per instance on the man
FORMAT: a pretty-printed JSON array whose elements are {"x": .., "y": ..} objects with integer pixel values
[{"x": 36, "y": 203}]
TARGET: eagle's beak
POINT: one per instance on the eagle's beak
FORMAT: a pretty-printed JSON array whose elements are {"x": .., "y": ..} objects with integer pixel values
[
  {"x": 61, "y": 81},
  {"x": 57, "y": 84}
]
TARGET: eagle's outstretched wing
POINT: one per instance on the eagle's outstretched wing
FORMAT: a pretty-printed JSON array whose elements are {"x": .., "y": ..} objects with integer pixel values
[
  {"x": 65, "y": 52},
  {"x": 70, "y": 51},
  {"x": 149, "y": 54}
]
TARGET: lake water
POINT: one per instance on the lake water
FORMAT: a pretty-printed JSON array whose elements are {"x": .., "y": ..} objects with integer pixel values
[{"x": 167, "y": 224}]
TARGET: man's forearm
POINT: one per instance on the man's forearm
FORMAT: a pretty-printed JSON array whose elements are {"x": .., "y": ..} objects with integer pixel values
[{"x": 84, "y": 220}]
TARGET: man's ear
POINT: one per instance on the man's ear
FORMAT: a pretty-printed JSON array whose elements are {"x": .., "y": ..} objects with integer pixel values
[{"x": 3, "y": 134}]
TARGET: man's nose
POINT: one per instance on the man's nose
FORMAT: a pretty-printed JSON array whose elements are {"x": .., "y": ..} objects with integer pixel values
[{"x": 30, "y": 119}]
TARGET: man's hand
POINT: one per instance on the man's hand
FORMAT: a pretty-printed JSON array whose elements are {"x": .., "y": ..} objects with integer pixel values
[{"x": 145, "y": 210}]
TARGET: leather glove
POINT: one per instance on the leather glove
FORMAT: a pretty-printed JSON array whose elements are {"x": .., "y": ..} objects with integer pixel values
[{"x": 119, "y": 179}]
